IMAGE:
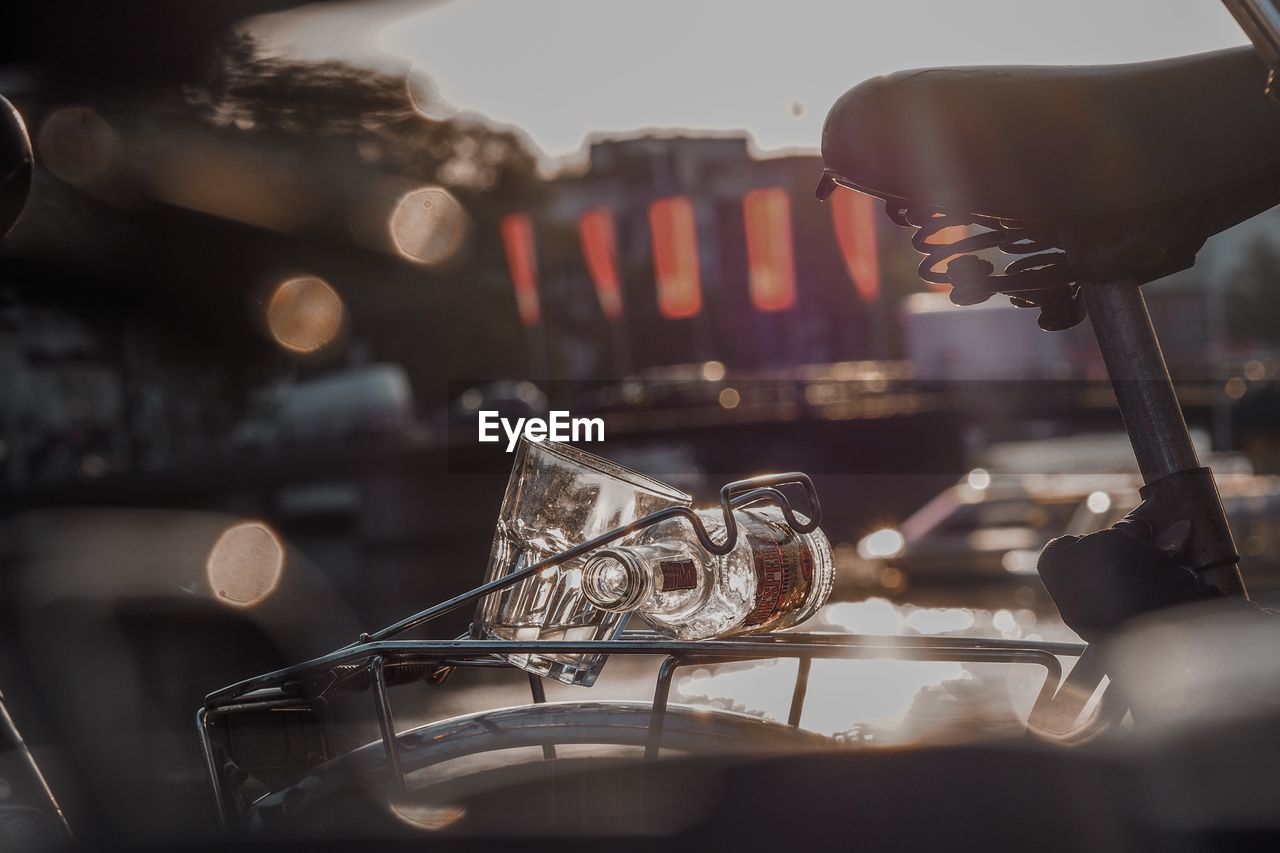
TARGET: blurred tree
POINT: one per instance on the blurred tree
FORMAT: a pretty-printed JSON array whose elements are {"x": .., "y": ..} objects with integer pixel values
[
  {"x": 385, "y": 119},
  {"x": 342, "y": 121},
  {"x": 174, "y": 291},
  {"x": 88, "y": 43}
]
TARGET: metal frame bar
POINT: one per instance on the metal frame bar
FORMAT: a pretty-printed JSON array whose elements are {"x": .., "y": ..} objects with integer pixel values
[
  {"x": 799, "y": 692},
  {"x": 943, "y": 650},
  {"x": 386, "y": 723},
  {"x": 1260, "y": 19},
  {"x": 280, "y": 703},
  {"x": 20, "y": 744},
  {"x": 539, "y": 693},
  {"x": 286, "y": 684},
  {"x": 805, "y": 647}
]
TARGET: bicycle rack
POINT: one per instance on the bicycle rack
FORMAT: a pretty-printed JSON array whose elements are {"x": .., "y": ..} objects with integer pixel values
[{"x": 364, "y": 664}]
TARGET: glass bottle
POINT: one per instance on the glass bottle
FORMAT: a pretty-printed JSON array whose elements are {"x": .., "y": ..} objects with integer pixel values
[
  {"x": 560, "y": 496},
  {"x": 773, "y": 578}
]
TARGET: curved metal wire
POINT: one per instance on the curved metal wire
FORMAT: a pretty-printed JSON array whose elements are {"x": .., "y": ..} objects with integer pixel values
[
  {"x": 755, "y": 489},
  {"x": 1044, "y": 264}
]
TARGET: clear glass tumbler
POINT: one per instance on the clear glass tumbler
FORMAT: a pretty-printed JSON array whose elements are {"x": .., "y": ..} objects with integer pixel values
[{"x": 559, "y": 496}]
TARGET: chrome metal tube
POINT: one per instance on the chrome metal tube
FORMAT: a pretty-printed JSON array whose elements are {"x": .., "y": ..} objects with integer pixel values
[{"x": 1140, "y": 379}]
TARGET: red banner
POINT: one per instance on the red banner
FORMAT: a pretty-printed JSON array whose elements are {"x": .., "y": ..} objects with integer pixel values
[
  {"x": 522, "y": 260},
  {"x": 854, "y": 215},
  {"x": 599, "y": 249},
  {"x": 675, "y": 257},
  {"x": 767, "y": 213}
]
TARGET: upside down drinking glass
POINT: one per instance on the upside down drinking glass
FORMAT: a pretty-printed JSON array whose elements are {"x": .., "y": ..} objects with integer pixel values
[{"x": 558, "y": 497}]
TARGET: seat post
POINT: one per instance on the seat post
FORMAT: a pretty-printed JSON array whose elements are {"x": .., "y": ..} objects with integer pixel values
[
  {"x": 1135, "y": 364},
  {"x": 1177, "y": 487}
]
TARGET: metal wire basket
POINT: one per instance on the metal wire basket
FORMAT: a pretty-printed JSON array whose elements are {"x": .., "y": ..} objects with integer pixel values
[{"x": 379, "y": 660}]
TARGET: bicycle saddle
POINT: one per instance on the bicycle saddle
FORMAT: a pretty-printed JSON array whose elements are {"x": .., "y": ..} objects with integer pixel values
[
  {"x": 1048, "y": 144},
  {"x": 1090, "y": 173}
]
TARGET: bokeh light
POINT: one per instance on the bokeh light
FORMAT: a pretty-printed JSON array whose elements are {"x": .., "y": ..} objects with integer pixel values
[
  {"x": 1021, "y": 561},
  {"x": 431, "y": 817},
  {"x": 428, "y": 225},
  {"x": 881, "y": 544},
  {"x": 304, "y": 314},
  {"x": 979, "y": 479},
  {"x": 78, "y": 145},
  {"x": 713, "y": 371},
  {"x": 892, "y": 579},
  {"x": 940, "y": 620},
  {"x": 872, "y": 616},
  {"x": 245, "y": 564}
]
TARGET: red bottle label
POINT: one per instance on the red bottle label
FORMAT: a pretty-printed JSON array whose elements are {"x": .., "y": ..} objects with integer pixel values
[
  {"x": 784, "y": 571},
  {"x": 678, "y": 575}
]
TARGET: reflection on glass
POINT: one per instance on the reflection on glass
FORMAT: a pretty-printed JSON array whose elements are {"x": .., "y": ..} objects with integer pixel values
[{"x": 558, "y": 497}]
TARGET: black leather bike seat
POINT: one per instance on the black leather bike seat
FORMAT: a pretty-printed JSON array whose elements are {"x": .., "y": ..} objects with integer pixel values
[{"x": 1056, "y": 144}]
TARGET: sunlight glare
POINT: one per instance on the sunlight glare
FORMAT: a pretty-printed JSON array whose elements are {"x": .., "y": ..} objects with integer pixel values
[
  {"x": 940, "y": 620},
  {"x": 873, "y": 616},
  {"x": 847, "y": 695},
  {"x": 881, "y": 544}
]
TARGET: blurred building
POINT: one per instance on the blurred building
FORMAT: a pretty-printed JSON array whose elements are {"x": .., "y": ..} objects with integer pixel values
[
  {"x": 819, "y": 318},
  {"x": 83, "y": 403}
]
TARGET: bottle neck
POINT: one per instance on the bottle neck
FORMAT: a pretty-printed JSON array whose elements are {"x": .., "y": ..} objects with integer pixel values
[{"x": 615, "y": 579}]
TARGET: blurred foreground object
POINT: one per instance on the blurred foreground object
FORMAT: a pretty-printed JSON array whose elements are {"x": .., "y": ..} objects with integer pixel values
[
  {"x": 16, "y": 165},
  {"x": 149, "y": 609},
  {"x": 1260, "y": 19},
  {"x": 1102, "y": 580},
  {"x": 1205, "y": 695}
]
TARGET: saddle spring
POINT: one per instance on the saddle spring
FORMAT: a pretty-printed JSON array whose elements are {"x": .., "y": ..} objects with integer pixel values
[{"x": 1043, "y": 277}]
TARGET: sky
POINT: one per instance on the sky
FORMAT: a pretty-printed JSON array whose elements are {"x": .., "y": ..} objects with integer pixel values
[{"x": 563, "y": 70}]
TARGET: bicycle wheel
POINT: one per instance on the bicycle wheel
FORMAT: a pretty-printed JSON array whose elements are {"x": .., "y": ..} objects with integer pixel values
[{"x": 467, "y": 755}]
